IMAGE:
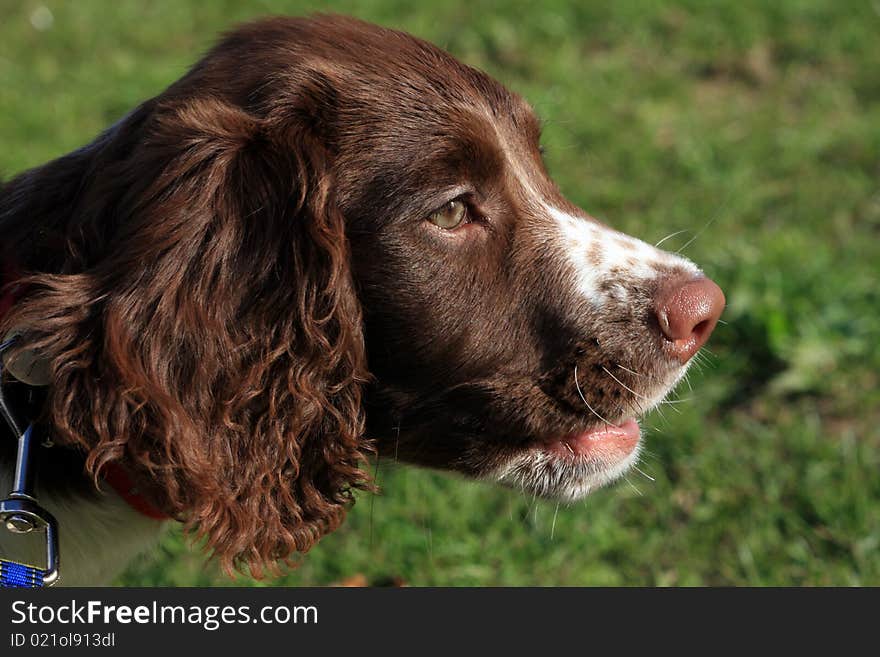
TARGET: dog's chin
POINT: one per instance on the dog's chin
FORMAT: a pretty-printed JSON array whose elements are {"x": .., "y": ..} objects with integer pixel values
[{"x": 570, "y": 467}]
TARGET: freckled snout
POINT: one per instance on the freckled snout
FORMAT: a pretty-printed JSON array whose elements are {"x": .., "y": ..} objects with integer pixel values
[{"x": 687, "y": 310}]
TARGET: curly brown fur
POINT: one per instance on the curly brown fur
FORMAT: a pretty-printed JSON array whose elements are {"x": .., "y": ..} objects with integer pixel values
[
  {"x": 200, "y": 319},
  {"x": 240, "y": 289}
]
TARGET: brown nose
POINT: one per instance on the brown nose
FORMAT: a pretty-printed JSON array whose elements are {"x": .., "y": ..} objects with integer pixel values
[{"x": 687, "y": 310}]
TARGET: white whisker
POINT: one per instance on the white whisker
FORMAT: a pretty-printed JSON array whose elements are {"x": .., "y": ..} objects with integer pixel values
[
  {"x": 553, "y": 525},
  {"x": 592, "y": 410},
  {"x": 633, "y": 486},
  {"x": 625, "y": 387},
  {"x": 671, "y": 235},
  {"x": 645, "y": 475},
  {"x": 626, "y": 369},
  {"x": 698, "y": 233}
]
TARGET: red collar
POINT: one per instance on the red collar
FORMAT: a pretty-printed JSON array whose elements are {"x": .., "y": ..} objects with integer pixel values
[
  {"x": 120, "y": 481},
  {"x": 114, "y": 474}
]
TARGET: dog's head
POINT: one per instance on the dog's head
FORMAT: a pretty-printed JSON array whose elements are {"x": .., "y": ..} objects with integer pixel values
[{"x": 329, "y": 236}]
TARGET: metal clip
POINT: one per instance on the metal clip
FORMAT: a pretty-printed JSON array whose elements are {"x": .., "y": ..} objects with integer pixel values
[{"x": 19, "y": 512}]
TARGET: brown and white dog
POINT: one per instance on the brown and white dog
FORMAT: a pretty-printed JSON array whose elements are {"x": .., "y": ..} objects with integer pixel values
[{"x": 327, "y": 238}]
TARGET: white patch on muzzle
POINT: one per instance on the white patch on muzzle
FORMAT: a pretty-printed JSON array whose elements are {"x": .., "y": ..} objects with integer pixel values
[{"x": 595, "y": 251}]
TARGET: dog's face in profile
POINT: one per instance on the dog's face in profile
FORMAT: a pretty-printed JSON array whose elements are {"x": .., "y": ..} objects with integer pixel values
[
  {"x": 511, "y": 336},
  {"x": 329, "y": 236}
]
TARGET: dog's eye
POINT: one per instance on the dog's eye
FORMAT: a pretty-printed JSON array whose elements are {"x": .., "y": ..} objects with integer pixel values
[{"x": 451, "y": 215}]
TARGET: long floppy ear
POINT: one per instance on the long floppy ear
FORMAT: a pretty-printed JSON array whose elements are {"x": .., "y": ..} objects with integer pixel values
[{"x": 212, "y": 339}]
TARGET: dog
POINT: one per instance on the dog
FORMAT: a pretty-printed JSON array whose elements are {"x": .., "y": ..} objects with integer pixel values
[{"x": 327, "y": 239}]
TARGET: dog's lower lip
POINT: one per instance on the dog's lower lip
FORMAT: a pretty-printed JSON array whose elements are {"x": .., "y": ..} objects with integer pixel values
[{"x": 607, "y": 442}]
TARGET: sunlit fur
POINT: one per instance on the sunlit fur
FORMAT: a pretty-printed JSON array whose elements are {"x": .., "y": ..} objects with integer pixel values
[{"x": 240, "y": 294}]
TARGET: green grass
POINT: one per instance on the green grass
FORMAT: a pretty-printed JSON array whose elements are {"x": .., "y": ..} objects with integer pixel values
[{"x": 753, "y": 126}]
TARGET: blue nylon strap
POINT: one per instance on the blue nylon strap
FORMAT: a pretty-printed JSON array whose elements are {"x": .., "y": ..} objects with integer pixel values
[{"x": 19, "y": 576}]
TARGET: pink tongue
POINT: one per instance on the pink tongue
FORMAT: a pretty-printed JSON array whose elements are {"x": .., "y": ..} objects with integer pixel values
[
  {"x": 605, "y": 442},
  {"x": 628, "y": 429}
]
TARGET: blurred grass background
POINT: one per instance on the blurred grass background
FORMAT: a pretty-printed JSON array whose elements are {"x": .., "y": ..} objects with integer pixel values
[{"x": 753, "y": 127}]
